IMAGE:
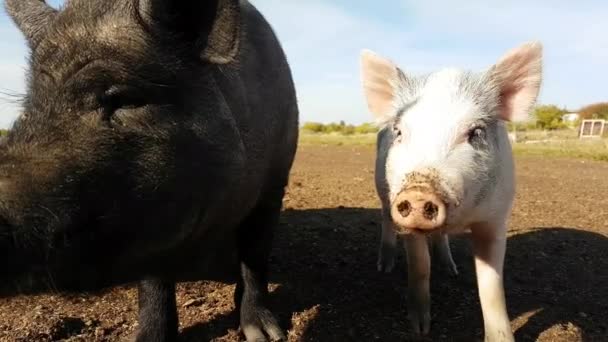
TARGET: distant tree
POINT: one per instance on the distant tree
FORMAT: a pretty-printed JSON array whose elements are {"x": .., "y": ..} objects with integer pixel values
[
  {"x": 595, "y": 111},
  {"x": 549, "y": 117},
  {"x": 3, "y": 132}
]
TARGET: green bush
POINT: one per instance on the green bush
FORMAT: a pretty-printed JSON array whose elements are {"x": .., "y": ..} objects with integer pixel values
[
  {"x": 341, "y": 128},
  {"x": 549, "y": 117},
  {"x": 348, "y": 130},
  {"x": 332, "y": 127},
  {"x": 313, "y": 127},
  {"x": 366, "y": 128}
]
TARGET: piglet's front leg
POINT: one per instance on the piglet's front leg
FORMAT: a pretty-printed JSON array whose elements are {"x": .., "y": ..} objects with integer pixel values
[
  {"x": 388, "y": 245},
  {"x": 418, "y": 277},
  {"x": 489, "y": 245},
  {"x": 441, "y": 247}
]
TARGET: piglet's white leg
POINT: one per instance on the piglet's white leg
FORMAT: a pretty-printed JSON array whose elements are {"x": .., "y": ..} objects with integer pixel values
[
  {"x": 419, "y": 275},
  {"x": 489, "y": 245}
]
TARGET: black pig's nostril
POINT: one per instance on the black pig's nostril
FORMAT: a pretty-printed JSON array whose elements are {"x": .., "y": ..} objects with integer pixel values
[
  {"x": 404, "y": 208},
  {"x": 431, "y": 210}
]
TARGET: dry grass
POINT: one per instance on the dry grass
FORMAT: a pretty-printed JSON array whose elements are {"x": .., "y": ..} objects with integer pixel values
[
  {"x": 596, "y": 149},
  {"x": 562, "y": 134},
  {"x": 534, "y": 143},
  {"x": 337, "y": 139}
]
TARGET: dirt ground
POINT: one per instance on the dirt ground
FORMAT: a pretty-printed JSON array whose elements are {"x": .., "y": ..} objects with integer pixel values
[{"x": 324, "y": 281}]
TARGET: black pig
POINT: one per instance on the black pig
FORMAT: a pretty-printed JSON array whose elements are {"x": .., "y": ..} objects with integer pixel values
[{"x": 156, "y": 135}]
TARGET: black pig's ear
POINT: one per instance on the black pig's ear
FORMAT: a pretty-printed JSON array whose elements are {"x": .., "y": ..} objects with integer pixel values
[
  {"x": 33, "y": 17},
  {"x": 213, "y": 26}
]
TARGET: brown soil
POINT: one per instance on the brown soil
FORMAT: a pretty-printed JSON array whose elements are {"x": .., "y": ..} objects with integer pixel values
[{"x": 325, "y": 285}]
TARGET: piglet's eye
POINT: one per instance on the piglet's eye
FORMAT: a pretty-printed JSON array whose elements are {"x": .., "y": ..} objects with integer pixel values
[
  {"x": 476, "y": 133},
  {"x": 396, "y": 131}
]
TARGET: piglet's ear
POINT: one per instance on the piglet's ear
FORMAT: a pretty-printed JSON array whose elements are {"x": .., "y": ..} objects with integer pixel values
[
  {"x": 380, "y": 78},
  {"x": 518, "y": 75}
]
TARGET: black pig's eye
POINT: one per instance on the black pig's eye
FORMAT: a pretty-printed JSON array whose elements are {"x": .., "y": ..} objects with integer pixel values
[{"x": 117, "y": 98}]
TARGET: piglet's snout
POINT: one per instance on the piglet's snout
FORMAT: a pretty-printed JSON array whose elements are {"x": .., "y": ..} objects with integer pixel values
[{"x": 419, "y": 208}]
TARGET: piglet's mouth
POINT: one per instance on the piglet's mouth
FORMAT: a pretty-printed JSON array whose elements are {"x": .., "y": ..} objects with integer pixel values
[{"x": 416, "y": 231}]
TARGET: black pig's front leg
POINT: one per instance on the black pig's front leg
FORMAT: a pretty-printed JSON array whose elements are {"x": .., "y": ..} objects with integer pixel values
[
  {"x": 158, "y": 320},
  {"x": 254, "y": 245}
]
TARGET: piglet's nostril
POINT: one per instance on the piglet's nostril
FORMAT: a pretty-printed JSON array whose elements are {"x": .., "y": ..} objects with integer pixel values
[
  {"x": 431, "y": 210},
  {"x": 419, "y": 208},
  {"x": 404, "y": 208}
]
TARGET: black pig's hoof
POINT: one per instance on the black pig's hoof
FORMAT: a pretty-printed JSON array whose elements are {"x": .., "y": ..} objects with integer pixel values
[
  {"x": 257, "y": 320},
  {"x": 148, "y": 336}
]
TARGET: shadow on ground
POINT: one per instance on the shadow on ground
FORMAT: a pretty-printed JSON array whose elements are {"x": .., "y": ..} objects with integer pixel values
[{"x": 329, "y": 290}]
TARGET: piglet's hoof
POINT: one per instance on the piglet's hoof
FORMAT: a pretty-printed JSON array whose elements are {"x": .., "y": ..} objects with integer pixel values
[
  {"x": 386, "y": 263},
  {"x": 386, "y": 258},
  {"x": 420, "y": 322}
]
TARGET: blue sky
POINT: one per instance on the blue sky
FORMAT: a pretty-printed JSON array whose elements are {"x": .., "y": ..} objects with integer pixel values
[{"x": 323, "y": 38}]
